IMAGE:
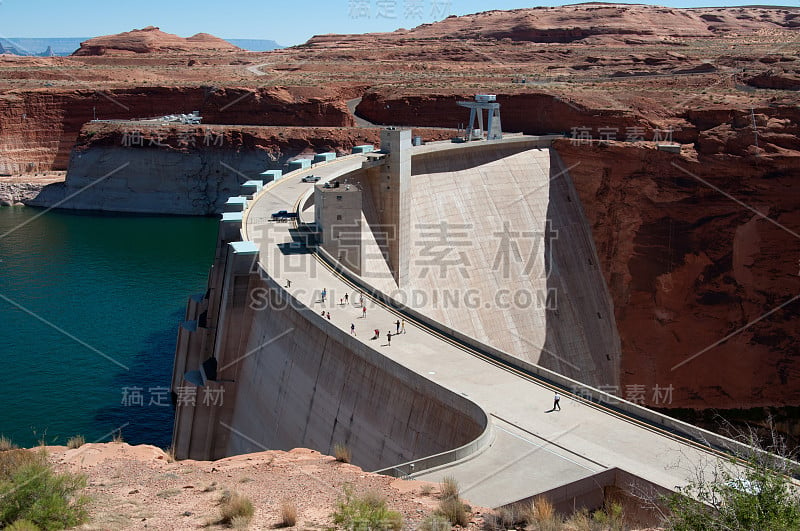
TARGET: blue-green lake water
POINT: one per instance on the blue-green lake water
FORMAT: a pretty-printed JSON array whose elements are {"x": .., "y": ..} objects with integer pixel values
[{"x": 89, "y": 310}]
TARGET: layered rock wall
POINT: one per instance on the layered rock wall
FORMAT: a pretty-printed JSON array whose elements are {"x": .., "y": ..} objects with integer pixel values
[
  {"x": 39, "y": 128},
  {"x": 701, "y": 258}
]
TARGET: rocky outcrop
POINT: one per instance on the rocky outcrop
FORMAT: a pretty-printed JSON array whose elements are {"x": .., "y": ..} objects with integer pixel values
[
  {"x": 594, "y": 23},
  {"x": 18, "y": 193},
  {"x": 20, "y": 189},
  {"x": 152, "y": 40},
  {"x": 700, "y": 255}
]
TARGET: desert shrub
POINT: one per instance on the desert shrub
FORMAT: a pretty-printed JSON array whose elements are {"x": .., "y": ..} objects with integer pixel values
[
  {"x": 365, "y": 512},
  {"x": 76, "y": 442},
  {"x": 22, "y": 525},
  {"x": 288, "y": 514},
  {"x": 435, "y": 522},
  {"x": 240, "y": 522},
  {"x": 450, "y": 506},
  {"x": 11, "y": 460},
  {"x": 454, "y": 511},
  {"x": 611, "y": 517},
  {"x": 342, "y": 453},
  {"x": 426, "y": 489},
  {"x": 6, "y": 444},
  {"x": 541, "y": 514},
  {"x": 31, "y": 490},
  {"x": 234, "y": 506},
  {"x": 448, "y": 488},
  {"x": 752, "y": 490},
  {"x": 738, "y": 498}
]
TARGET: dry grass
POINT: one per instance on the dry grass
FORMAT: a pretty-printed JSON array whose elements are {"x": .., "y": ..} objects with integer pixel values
[
  {"x": 288, "y": 514},
  {"x": 11, "y": 460},
  {"x": 342, "y": 453},
  {"x": 426, "y": 490},
  {"x": 435, "y": 522},
  {"x": 170, "y": 454},
  {"x": 6, "y": 444},
  {"x": 454, "y": 511},
  {"x": 448, "y": 488},
  {"x": 539, "y": 510},
  {"x": 234, "y": 506},
  {"x": 118, "y": 437},
  {"x": 451, "y": 507},
  {"x": 75, "y": 442}
]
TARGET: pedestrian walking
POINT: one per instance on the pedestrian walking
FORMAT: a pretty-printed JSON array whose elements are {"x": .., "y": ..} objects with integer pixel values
[
  {"x": 345, "y": 298},
  {"x": 329, "y": 316},
  {"x": 288, "y": 283},
  {"x": 403, "y": 326},
  {"x": 364, "y": 312},
  {"x": 397, "y": 327},
  {"x": 352, "y": 329},
  {"x": 389, "y": 337},
  {"x": 324, "y": 292},
  {"x": 377, "y": 334},
  {"x": 341, "y": 302},
  {"x": 556, "y": 402}
]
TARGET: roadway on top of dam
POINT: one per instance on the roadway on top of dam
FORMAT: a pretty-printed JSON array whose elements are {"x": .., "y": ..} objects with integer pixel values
[{"x": 533, "y": 449}]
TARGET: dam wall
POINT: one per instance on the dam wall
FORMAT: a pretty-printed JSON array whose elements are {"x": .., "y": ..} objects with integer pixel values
[
  {"x": 501, "y": 252},
  {"x": 292, "y": 379}
]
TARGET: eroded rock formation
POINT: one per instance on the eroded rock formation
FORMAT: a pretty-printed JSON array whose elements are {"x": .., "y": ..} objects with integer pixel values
[{"x": 701, "y": 257}]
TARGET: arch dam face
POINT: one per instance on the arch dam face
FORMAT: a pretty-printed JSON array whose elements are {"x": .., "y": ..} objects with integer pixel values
[{"x": 478, "y": 260}]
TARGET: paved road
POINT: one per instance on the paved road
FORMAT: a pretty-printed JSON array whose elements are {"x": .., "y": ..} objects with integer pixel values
[{"x": 534, "y": 448}]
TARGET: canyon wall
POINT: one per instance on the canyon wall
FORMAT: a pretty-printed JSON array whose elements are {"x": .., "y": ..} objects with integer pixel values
[
  {"x": 539, "y": 113},
  {"x": 700, "y": 254},
  {"x": 39, "y": 128}
]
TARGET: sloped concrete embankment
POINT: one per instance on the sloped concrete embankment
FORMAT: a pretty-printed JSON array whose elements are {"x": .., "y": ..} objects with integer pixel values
[{"x": 291, "y": 379}]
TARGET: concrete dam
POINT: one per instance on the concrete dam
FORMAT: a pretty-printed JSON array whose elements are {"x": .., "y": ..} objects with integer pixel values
[{"x": 420, "y": 305}]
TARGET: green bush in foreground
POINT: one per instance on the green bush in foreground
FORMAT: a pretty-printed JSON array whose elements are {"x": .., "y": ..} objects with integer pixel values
[
  {"x": 22, "y": 525},
  {"x": 366, "y": 512},
  {"x": 31, "y": 490},
  {"x": 739, "y": 497}
]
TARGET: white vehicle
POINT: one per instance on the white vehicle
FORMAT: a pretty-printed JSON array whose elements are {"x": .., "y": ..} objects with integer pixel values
[{"x": 310, "y": 178}]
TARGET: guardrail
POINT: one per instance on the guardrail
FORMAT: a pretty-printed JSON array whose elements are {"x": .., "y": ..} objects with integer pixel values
[
  {"x": 611, "y": 403},
  {"x": 462, "y": 453}
]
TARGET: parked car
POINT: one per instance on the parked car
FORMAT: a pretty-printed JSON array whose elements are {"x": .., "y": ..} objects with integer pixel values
[
  {"x": 283, "y": 215},
  {"x": 310, "y": 178}
]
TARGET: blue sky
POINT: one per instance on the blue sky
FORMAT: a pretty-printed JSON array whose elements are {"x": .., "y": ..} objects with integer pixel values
[{"x": 287, "y": 22}]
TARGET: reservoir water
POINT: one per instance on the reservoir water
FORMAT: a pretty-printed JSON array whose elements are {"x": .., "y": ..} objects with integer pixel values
[{"x": 89, "y": 310}]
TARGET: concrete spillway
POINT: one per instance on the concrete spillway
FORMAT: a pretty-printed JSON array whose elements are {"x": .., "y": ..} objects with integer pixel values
[{"x": 293, "y": 377}]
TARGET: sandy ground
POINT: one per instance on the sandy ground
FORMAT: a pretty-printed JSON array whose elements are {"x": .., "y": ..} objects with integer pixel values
[{"x": 137, "y": 487}]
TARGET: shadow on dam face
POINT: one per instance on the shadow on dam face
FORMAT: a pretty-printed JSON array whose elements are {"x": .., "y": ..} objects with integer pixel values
[
  {"x": 503, "y": 253},
  {"x": 293, "y": 379}
]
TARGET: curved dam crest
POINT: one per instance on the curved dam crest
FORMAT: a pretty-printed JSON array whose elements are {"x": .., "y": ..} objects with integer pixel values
[{"x": 300, "y": 369}]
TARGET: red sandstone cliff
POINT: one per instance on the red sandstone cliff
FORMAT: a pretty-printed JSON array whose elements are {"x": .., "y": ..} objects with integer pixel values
[
  {"x": 701, "y": 255},
  {"x": 152, "y": 40},
  {"x": 39, "y": 128}
]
